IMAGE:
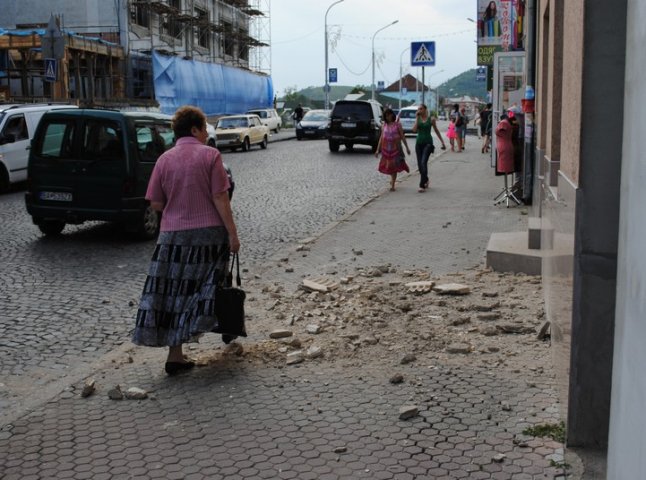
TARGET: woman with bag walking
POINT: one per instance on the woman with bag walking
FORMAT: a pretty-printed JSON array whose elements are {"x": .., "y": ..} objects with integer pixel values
[
  {"x": 392, "y": 136},
  {"x": 424, "y": 143},
  {"x": 189, "y": 185}
]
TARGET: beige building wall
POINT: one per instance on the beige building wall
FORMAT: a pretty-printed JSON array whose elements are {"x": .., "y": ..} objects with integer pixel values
[
  {"x": 559, "y": 80},
  {"x": 581, "y": 79},
  {"x": 572, "y": 90}
]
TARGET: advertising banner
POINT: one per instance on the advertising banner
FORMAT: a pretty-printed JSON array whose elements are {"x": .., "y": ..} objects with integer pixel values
[{"x": 500, "y": 28}]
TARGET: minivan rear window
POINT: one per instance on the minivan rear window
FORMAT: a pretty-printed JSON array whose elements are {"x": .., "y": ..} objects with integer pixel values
[
  {"x": 153, "y": 140},
  {"x": 102, "y": 141},
  {"x": 57, "y": 140},
  {"x": 407, "y": 113},
  {"x": 356, "y": 111}
]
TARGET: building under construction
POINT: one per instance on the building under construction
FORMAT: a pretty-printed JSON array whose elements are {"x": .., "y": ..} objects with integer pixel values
[{"x": 103, "y": 51}]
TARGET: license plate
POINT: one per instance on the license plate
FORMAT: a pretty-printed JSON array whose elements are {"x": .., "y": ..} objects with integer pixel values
[
  {"x": 308, "y": 132},
  {"x": 348, "y": 125},
  {"x": 56, "y": 196}
]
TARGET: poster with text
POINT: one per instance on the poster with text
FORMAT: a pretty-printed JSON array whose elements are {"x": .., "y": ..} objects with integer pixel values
[{"x": 500, "y": 28}]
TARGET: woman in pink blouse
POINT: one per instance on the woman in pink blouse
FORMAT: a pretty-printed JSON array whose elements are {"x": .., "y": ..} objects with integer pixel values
[{"x": 189, "y": 186}]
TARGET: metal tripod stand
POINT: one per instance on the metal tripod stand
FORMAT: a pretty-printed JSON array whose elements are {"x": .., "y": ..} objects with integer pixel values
[{"x": 505, "y": 195}]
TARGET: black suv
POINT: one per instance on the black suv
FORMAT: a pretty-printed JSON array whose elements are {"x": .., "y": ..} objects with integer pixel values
[{"x": 355, "y": 121}]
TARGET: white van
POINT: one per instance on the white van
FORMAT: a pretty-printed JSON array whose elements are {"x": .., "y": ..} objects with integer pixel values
[
  {"x": 18, "y": 124},
  {"x": 269, "y": 117}
]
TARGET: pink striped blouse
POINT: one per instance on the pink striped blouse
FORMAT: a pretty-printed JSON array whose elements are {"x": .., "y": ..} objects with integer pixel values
[{"x": 184, "y": 179}]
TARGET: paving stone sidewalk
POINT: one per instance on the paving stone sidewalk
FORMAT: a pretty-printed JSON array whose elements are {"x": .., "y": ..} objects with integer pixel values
[{"x": 239, "y": 418}]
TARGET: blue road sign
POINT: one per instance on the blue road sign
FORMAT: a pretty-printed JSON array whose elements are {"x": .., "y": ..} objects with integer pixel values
[
  {"x": 481, "y": 74},
  {"x": 332, "y": 75},
  {"x": 422, "y": 54},
  {"x": 50, "y": 69}
]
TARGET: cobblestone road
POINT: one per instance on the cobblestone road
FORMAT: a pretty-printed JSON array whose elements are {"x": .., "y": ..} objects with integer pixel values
[
  {"x": 67, "y": 301},
  {"x": 244, "y": 413}
]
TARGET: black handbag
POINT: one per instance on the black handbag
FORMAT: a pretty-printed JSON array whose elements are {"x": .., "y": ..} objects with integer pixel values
[{"x": 229, "y": 305}]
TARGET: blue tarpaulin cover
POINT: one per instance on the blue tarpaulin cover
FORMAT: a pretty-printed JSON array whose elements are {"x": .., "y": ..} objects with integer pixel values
[{"x": 216, "y": 89}]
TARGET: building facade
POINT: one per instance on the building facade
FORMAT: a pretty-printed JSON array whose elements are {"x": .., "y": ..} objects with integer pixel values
[
  {"x": 590, "y": 164},
  {"x": 229, "y": 32}
]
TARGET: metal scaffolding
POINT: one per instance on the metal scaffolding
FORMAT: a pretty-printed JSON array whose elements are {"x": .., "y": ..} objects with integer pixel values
[{"x": 260, "y": 30}]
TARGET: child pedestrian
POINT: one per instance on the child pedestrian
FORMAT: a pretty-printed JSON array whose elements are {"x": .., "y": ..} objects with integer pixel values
[{"x": 451, "y": 135}]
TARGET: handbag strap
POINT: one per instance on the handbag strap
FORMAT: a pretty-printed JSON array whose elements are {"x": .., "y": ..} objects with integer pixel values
[{"x": 235, "y": 261}]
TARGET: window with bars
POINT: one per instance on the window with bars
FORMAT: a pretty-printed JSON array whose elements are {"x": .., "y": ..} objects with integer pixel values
[
  {"x": 170, "y": 26},
  {"x": 229, "y": 43},
  {"x": 140, "y": 15},
  {"x": 203, "y": 33}
]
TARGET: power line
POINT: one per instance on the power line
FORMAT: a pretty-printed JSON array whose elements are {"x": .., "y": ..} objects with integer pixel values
[
  {"x": 297, "y": 39},
  {"x": 348, "y": 68},
  {"x": 408, "y": 38}
]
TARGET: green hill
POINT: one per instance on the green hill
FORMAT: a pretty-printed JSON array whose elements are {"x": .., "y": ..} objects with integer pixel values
[
  {"x": 314, "y": 97},
  {"x": 316, "y": 94},
  {"x": 464, "y": 84}
]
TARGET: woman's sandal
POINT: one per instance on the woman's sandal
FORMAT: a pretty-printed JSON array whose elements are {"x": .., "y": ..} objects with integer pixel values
[{"x": 173, "y": 368}]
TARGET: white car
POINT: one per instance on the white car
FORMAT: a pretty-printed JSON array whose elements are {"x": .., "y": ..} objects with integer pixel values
[
  {"x": 241, "y": 131},
  {"x": 407, "y": 118},
  {"x": 269, "y": 117}
]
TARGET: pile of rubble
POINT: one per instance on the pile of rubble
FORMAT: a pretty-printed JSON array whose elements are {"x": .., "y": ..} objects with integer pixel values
[{"x": 382, "y": 315}]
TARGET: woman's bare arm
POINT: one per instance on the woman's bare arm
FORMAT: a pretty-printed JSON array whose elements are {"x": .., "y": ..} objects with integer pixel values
[{"x": 223, "y": 206}]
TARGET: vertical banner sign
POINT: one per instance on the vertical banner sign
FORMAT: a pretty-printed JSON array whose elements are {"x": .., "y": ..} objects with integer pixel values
[{"x": 500, "y": 28}]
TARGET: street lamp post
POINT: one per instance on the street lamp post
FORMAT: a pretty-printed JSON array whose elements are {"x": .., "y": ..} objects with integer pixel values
[
  {"x": 327, "y": 83},
  {"x": 437, "y": 99},
  {"x": 401, "y": 73},
  {"x": 373, "y": 55}
]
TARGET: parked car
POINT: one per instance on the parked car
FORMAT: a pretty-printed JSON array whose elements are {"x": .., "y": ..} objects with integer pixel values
[
  {"x": 269, "y": 117},
  {"x": 89, "y": 164},
  {"x": 313, "y": 125},
  {"x": 211, "y": 140},
  {"x": 18, "y": 124},
  {"x": 241, "y": 131},
  {"x": 407, "y": 116},
  {"x": 355, "y": 122}
]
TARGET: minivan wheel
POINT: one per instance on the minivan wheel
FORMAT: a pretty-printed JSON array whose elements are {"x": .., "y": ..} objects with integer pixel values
[
  {"x": 246, "y": 145},
  {"x": 51, "y": 227},
  {"x": 263, "y": 144},
  {"x": 334, "y": 145},
  {"x": 149, "y": 224},
  {"x": 373, "y": 147}
]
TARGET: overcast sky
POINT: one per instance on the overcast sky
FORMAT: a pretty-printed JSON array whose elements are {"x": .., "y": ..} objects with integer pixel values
[{"x": 298, "y": 46}]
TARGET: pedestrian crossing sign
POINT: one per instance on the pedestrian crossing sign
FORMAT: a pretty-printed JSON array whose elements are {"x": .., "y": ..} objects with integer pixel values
[
  {"x": 50, "y": 69},
  {"x": 422, "y": 54}
]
